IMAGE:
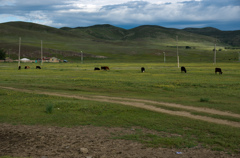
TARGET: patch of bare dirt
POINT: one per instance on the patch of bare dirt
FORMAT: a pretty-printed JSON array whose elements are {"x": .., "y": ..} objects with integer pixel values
[{"x": 85, "y": 142}]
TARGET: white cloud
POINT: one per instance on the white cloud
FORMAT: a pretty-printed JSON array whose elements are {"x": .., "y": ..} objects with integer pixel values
[
  {"x": 9, "y": 17},
  {"x": 96, "y": 5},
  {"x": 75, "y": 13},
  {"x": 6, "y": 2}
]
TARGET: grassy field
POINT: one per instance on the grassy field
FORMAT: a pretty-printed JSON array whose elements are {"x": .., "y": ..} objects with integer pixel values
[{"x": 199, "y": 87}]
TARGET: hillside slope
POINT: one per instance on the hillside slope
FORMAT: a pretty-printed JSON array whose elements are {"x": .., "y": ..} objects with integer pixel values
[
  {"x": 111, "y": 33},
  {"x": 229, "y": 37},
  {"x": 107, "y": 32},
  {"x": 139, "y": 43},
  {"x": 24, "y": 28},
  {"x": 144, "y": 33}
]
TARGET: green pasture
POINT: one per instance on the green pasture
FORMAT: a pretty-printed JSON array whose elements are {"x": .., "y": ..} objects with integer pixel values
[
  {"x": 199, "y": 87},
  {"x": 163, "y": 82}
]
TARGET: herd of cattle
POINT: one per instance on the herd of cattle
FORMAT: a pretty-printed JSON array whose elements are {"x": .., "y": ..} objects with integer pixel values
[
  {"x": 217, "y": 70},
  {"x": 102, "y": 68},
  {"x": 183, "y": 69},
  {"x": 28, "y": 67}
]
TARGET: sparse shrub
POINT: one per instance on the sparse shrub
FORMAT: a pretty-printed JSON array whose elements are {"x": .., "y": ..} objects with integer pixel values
[
  {"x": 204, "y": 99},
  {"x": 49, "y": 109},
  {"x": 2, "y": 54}
]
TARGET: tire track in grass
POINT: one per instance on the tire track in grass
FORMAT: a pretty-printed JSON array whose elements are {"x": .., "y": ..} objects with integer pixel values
[
  {"x": 198, "y": 109},
  {"x": 140, "y": 103}
]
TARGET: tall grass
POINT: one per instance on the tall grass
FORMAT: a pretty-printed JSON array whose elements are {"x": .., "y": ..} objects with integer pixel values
[{"x": 49, "y": 109}]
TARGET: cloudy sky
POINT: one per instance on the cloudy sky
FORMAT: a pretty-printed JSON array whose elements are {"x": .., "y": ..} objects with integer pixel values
[{"x": 221, "y": 14}]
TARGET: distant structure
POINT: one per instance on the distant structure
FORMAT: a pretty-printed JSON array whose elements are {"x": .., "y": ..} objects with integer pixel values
[{"x": 51, "y": 59}]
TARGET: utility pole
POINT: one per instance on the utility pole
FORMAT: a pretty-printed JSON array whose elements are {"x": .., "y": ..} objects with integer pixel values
[
  {"x": 164, "y": 59},
  {"x": 239, "y": 56},
  {"x": 81, "y": 57},
  {"x": 215, "y": 54},
  {"x": 41, "y": 54},
  {"x": 19, "y": 51},
  {"x": 177, "y": 52}
]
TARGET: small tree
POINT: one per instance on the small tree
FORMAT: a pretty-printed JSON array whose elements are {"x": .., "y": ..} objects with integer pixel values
[{"x": 2, "y": 54}]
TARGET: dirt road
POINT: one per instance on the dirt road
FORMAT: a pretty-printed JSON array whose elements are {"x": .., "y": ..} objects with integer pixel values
[{"x": 149, "y": 105}]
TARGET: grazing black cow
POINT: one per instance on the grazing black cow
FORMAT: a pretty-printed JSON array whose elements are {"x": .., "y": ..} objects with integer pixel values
[
  {"x": 183, "y": 69},
  {"x": 38, "y": 67},
  {"x": 19, "y": 67},
  {"x": 105, "y": 68},
  {"x": 27, "y": 67},
  {"x": 142, "y": 69},
  {"x": 96, "y": 68},
  {"x": 218, "y": 70}
]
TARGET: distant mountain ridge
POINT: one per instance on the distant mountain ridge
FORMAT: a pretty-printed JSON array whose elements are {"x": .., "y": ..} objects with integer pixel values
[
  {"x": 144, "y": 32},
  {"x": 110, "y": 32},
  {"x": 153, "y": 31}
]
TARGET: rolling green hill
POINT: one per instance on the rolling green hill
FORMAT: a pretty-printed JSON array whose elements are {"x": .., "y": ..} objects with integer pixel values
[
  {"x": 145, "y": 32},
  {"x": 107, "y": 32},
  {"x": 229, "y": 37},
  {"x": 143, "y": 43}
]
